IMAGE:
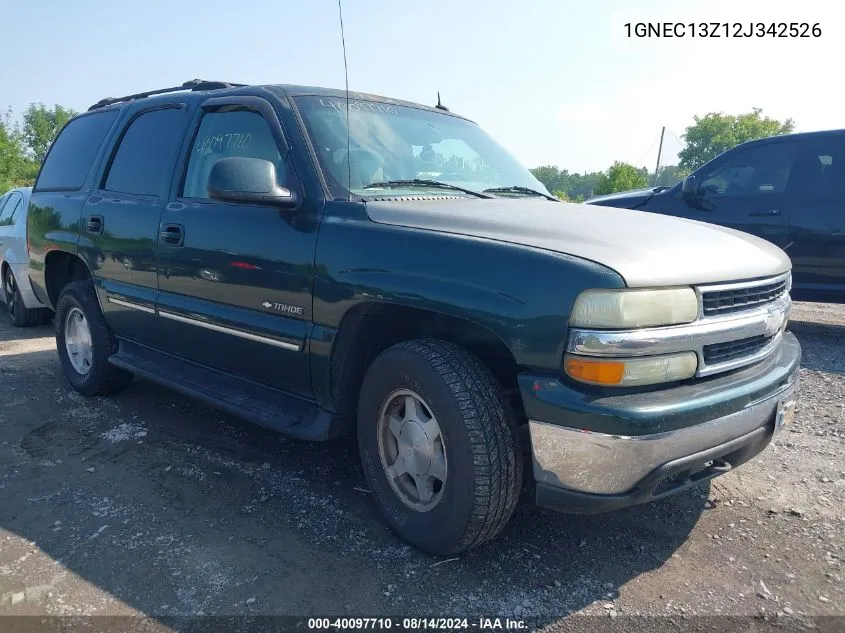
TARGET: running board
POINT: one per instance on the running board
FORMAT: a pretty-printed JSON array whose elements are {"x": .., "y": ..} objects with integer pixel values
[{"x": 250, "y": 401}]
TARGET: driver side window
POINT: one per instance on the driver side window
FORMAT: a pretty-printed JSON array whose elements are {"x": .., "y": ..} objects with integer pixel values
[
  {"x": 760, "y": 170},
  {"x": 243, "y": 133}
]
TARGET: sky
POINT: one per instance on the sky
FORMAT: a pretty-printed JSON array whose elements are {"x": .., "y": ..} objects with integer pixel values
[{"x": 556, "y": 82}]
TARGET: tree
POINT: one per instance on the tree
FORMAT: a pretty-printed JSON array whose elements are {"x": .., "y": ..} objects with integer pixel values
[
  {"x": 716, "y": 132},
  {"x": 41, "y": 125},
  {"x": 667, "y": 176},
  {"x": 621, "y": 177},
  {"x": 553, "y": 178},
  {"x": 16, "y": 169}
]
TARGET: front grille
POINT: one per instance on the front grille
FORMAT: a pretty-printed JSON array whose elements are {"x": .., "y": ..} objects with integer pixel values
[
  {"x": 736, "y": 299},
  {"x": 723, "y": 352}
]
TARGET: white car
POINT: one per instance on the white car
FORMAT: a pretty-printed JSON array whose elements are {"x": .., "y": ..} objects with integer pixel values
[{"x": 22, "y": 306}]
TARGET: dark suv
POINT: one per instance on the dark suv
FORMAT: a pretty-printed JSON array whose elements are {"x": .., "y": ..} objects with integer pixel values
[
  {"x": 789, "y": 190},
  {"x": 324, "y": 263}
]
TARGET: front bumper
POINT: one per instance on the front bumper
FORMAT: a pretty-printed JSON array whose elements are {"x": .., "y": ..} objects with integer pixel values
[{"x": 629, "y": 449}]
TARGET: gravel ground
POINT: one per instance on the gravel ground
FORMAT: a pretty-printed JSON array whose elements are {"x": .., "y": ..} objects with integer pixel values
[{"x": 151, "y": 504}]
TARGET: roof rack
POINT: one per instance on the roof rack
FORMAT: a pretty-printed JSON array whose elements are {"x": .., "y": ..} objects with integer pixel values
[{"x": 195, "y": 85}]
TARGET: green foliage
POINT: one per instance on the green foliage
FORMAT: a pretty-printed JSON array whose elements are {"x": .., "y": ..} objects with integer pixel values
[
  {"x": 668, "y": 175},
  {"x": 550, "y": 176},
  {"x": 621, "y": 177},
  {"x": 22, "y": 148},
  {"x": 576, "y": 187},
  {"x": 564, "y": 195},
  {"x": 716, "y": 132},
  {"x": 41, "y": 125},
  {"x": 16, "y": 169}
]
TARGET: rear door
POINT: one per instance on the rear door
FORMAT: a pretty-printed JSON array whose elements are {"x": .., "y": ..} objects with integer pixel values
[
  {"x": 236, "y": 279},
  {"x": 744, "y": 190},
  {"x": 815, "y": 212},
  {"x": 120, "y": 220}
]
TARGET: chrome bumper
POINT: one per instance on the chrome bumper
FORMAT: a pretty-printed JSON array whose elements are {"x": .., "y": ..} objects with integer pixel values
[{"x": 598, "y": 463}]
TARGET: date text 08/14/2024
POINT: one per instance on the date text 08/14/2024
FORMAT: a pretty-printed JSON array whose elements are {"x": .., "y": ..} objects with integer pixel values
[
  {"x": 417, "y": 624},
  {"x": 722, "y": 29}
]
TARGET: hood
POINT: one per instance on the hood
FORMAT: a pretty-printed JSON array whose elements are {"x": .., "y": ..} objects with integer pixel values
[
  {"x": 627, "y": 199},
  {"x": 646, "y": 249}
]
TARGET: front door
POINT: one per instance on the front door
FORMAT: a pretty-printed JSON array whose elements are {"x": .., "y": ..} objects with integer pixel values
[
  {"x": 120, "y": 220},
  {"x": 745, "y": 191},
  {"x": 236, "y": 279}
]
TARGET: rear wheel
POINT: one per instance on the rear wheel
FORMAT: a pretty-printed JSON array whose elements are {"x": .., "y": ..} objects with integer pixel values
[
  {"x": 19, "y": 315},
  {"x": 84, "y": 342},
  {"x": 438, "y": 446}
]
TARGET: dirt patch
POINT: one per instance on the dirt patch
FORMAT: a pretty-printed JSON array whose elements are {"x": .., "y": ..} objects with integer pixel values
[{"x": 150, "y": 503}]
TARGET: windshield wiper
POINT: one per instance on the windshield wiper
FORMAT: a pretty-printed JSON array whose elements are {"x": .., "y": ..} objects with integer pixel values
[
  {"x": 519, "y": 190},
  {"x": 417, "y": 182}
]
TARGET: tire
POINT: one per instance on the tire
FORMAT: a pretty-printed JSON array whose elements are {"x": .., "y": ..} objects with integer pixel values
[
  {"x": 79, "y": 298},
  {"x": 19, "y": 315},
  {"x": 481, "y": 458}
]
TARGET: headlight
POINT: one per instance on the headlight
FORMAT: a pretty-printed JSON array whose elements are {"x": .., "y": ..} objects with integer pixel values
[
  {"x": 633, "y": 308},
  {"x": 630, "y": 372}
]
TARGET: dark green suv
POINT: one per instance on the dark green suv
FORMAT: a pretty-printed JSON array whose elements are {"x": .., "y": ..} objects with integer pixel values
[{"x": 325, "y": 263}]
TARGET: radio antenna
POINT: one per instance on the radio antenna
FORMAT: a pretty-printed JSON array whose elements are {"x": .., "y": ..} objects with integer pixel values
[{"x": 346, "y": 77}]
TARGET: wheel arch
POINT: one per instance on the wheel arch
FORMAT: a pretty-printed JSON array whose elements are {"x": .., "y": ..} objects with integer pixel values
[
  {"x": 369, "y": 328},
  {"x": 60, "y": 269}
]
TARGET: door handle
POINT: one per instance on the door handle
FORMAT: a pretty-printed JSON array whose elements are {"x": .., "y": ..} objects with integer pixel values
[
  {"x": 766, "y": 212},
  {"x": 172, "y": 234},
  {"x": 95, "y": 224}
]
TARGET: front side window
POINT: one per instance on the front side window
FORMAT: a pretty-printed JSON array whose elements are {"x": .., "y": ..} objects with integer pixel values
[
  {"x": 762, "y": 169},
  {"x": 242, "y": 133},
  {"x": 820, "y": 167},
  {"x": 142, "y": 164},
  {"x": 396, "y": 142},
  {"x": 9, "y": 210},
  {"x": 73, "y": 152}
]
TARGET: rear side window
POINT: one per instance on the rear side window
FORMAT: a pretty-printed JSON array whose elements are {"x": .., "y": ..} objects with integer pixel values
[
  {"x": 15, "y": 214},
  {"x": 73, "y": 152},
  {"x": 820, "y": 168},
  {"x": 10, "y": 209},
  {"x": 142, "y": 163}
]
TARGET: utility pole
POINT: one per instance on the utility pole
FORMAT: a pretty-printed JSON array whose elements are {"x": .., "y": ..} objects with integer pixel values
[{"x": 659, "y": 152}]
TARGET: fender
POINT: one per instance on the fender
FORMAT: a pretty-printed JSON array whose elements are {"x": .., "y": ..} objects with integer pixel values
[{"x": 501, "y": 287}]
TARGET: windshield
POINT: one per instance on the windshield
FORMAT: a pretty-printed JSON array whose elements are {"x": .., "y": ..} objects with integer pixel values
[{"x": 389, "y": 142}]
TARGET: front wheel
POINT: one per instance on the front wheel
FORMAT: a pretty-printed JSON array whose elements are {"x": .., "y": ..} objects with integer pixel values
[
  {"x": 84, "y": 342},
  {"x": 438, "y": 446}
]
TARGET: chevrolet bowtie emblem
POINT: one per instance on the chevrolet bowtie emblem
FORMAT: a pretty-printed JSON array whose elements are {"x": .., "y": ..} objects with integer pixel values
[{"x": 774, "y": 320}]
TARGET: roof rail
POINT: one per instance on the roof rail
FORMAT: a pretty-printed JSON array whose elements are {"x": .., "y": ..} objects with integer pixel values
[{"x": 195, "y": 85}]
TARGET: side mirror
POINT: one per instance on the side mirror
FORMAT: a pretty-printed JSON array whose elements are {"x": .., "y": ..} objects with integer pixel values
[
  {"x": 689, "y": 188},
  {"x": 241, "y": 179}
]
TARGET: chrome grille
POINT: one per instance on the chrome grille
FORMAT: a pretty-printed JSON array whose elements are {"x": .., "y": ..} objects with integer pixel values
[
  {"x": 736, "y": 299},
  {"x": 731, "y": 350}
]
